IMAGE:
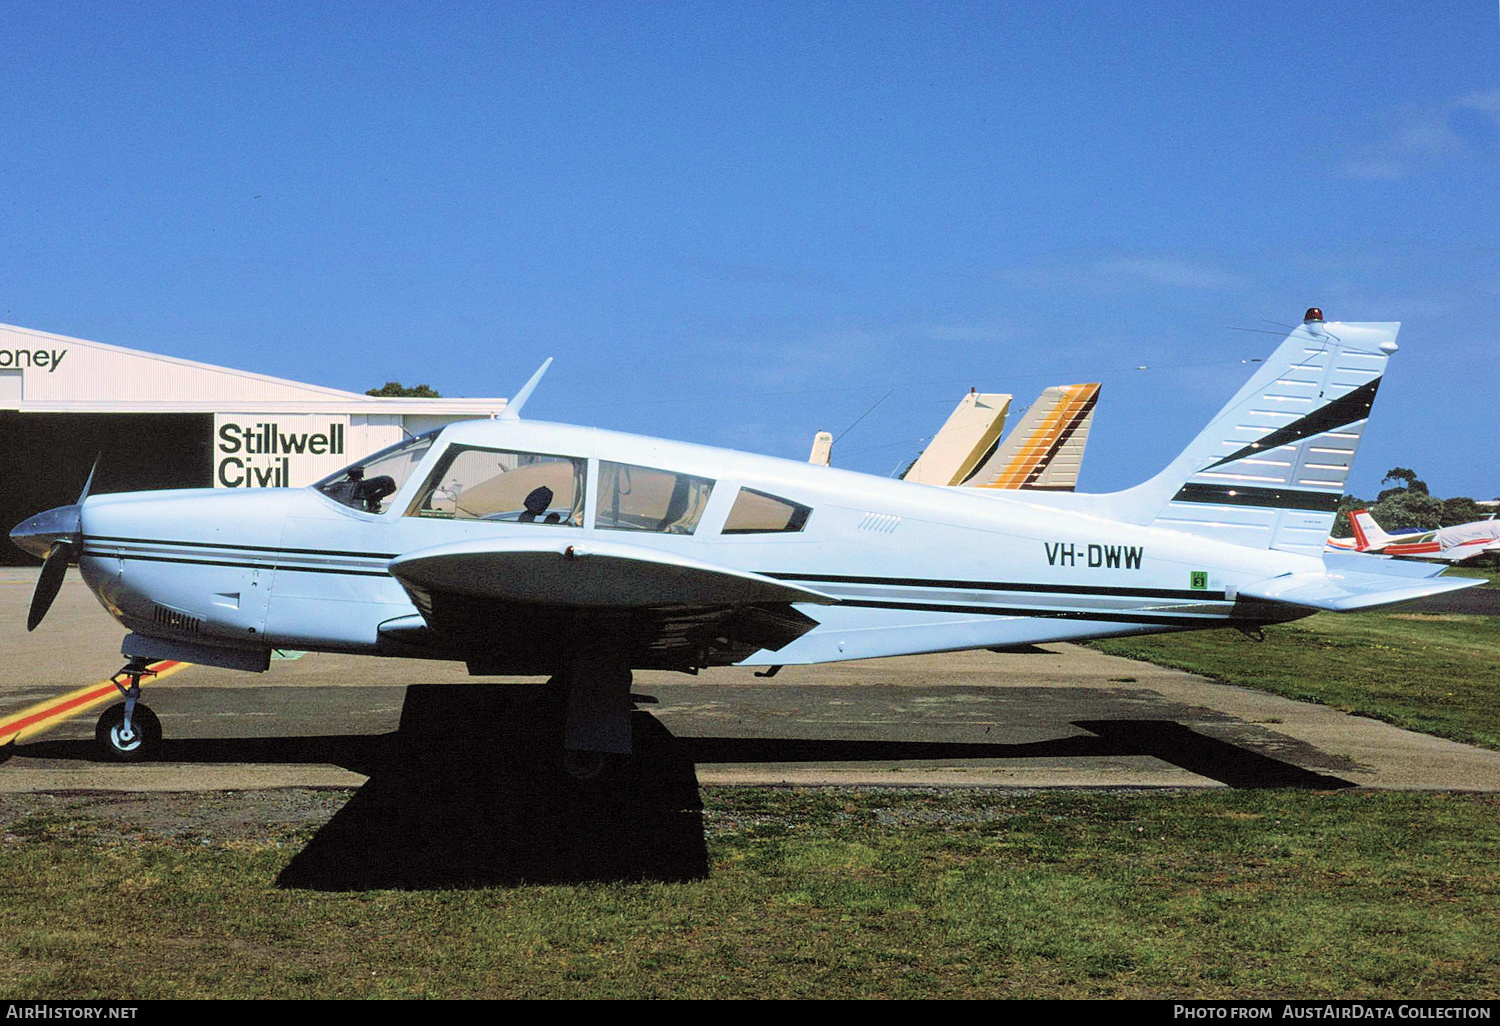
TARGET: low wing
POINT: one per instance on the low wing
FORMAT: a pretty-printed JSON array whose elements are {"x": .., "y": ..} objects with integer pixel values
[
  {"x": 1350, "y": 584},
  {"x": 517, "y": 606}
]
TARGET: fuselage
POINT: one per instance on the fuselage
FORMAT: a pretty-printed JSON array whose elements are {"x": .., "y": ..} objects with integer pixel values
[{"x": 915, "y": 568}]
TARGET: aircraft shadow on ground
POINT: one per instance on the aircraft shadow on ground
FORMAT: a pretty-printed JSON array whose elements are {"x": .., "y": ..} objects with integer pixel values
[{"x": 470, "y": 790}]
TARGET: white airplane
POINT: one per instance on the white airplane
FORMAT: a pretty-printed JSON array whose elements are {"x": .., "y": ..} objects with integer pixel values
[
  {"x": 1456, "y": 544},
  {"x": 530, "y": 548}
]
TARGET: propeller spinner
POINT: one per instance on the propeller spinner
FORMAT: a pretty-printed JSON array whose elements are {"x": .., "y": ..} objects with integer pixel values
[{"x": 56, "y": 535}]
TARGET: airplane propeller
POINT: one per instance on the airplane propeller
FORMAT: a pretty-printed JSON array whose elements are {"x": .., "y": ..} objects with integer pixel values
[{"x": 56, "y": 534}]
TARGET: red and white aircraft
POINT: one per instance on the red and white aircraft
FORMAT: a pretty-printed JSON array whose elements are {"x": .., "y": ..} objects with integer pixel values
[{"x": 1445, "y": 545}]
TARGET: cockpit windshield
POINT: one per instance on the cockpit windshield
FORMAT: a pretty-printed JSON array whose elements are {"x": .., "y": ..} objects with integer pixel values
[{"x": 368, "y": 485}]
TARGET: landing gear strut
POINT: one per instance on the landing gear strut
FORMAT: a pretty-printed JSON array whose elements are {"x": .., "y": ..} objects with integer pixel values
[
  {"x": 129, "y": 731},
  {"x": 597, "y": 735}
]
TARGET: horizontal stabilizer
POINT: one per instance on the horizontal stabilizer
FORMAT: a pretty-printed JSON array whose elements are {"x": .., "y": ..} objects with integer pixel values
[{"x": 1342, "y": 590}]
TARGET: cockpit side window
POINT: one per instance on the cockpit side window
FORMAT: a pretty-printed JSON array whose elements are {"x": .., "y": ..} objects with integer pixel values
[
  {"x": 505, "y": 486},
  {"x": 635, "y": 498},
  {"x": 760, "y": 513},
  {"x": 369, "y": 484}
]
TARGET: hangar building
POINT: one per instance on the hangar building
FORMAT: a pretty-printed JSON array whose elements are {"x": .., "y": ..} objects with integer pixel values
[{"x": 162, "y": 422}]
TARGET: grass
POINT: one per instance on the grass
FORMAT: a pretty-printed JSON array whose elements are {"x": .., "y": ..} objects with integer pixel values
[
  {"x": 1434, "y": 673},
  {"x": 1489, "y": 573},
  {"x": 813, "y": 893}
]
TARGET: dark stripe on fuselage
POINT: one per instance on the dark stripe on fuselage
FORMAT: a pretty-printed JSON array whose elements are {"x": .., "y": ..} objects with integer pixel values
[
  {"x": 163, "y": 543},
  {"x": 1058, "y": 589},
  {"x": 934, "y": 583},
  {"x": 1154, "y": 619},
  {"x": 267, "y": 565},
  {"x": 1270, "y": 498},
  {"x": 270, "y": 561}
]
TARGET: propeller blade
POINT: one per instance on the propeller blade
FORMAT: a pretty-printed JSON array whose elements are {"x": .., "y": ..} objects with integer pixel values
[
  {"x": 49, "y": 583},
  {"x": 90, "y": 482}
]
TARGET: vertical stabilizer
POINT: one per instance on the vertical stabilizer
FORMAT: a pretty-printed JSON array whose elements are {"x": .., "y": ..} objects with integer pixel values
[
  {"x": 1045, "y": 450},
  {"x": 822, "y": 449},
  {"x": 1270, "y": 468},
  {"x": 1367, "y": 533},
  {"x": 968, "y": 436}
]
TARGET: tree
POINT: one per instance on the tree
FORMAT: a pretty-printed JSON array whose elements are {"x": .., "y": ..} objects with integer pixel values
[
  {"x": 1407, "y": 510},
  {"x": 1411, "y": 483},
  {"x": 395, "y": 389},
  {"x": 1408, "y": 507},
  {"x": 1462, "y": 510}
]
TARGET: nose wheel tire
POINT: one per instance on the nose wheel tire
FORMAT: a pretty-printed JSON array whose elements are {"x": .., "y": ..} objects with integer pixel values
[{"x": 118, "y": 745}]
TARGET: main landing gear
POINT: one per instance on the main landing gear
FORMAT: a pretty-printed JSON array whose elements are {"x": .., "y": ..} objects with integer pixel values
[
  {"x": 597, "y": 733},
  {"x": 129, "y": 731}
]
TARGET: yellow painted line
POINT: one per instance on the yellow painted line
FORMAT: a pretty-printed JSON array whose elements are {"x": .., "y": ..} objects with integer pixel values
[{"x": 39, "y": 718}]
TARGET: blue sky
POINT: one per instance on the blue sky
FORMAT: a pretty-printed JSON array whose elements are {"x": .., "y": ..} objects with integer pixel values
[{"x": 740, "y": 223}]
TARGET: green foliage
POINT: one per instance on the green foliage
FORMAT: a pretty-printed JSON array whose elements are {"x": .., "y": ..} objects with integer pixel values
[
  {"x": 1462, "y": 510},
  {"x": 394, "y": 389},
  {"x": 1409, "y": 479},
  {"x": 1409, "y": 507},
  {"x": 1408, "y": 511}
]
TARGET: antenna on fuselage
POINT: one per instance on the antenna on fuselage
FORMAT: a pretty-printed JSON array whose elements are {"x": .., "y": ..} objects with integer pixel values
[{"x": 512, "y": 409}]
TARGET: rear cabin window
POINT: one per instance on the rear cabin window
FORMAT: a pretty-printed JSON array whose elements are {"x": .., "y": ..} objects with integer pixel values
[
  {"x": 759, "y": 513},
  {"x": 504, "y": 486},
  {"x": 635, "y": 498}
]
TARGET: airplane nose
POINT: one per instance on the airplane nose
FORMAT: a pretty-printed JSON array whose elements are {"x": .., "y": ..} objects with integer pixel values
[{"x": 37, "y": 534}]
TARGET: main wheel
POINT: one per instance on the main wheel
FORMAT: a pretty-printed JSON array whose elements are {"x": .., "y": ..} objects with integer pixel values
[{"x": 118, "y": 746}]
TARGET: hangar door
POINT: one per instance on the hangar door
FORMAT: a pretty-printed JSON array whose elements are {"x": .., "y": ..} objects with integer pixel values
[{"x": 45, "y": 459}]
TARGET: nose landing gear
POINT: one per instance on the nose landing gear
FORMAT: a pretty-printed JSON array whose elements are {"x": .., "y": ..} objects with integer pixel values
[{"x": 130, "y": 731}]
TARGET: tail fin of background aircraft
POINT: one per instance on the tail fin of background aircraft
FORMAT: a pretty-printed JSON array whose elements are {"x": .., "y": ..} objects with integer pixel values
[
  {"x": 1045, "y": 450},
  {"x": 822, "y": 448},
  {"x": 1367, "y": 533},
  {"x": 966, "y": 438},
  {"x": 1269, "y": 470}
]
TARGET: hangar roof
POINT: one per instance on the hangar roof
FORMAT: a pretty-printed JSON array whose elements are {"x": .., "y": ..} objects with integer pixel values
[{"x": 45, "y": 373}]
